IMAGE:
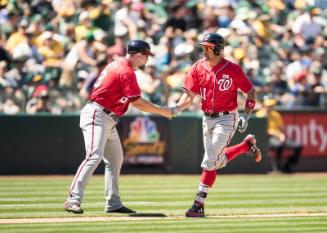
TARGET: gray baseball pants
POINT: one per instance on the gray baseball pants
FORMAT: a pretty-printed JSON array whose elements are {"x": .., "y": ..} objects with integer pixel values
[
  {"x": 217, "y": 134},
  {"x": 102, "y": 142}
]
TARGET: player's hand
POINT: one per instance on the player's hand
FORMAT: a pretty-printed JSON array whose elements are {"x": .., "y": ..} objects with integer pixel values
[
  {"x": 175, "y": 111},
  {"x": 167, "y": 112},
  {"x": 243, "y": 123}
]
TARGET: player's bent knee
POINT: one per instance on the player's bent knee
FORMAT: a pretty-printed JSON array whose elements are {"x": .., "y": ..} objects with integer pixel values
[
  {"x": 211, "y": 165},
  {"x": 208, "y": 165},
  {"x": 221, "y": 162}
]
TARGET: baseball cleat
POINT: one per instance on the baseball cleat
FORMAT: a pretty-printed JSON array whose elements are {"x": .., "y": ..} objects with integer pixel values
[
  {"x": 254, "y": 151},
  {"x": 123, "y": 210},
  {"x": 196, "y": 211},
  {"x": 73, "y": 207}
]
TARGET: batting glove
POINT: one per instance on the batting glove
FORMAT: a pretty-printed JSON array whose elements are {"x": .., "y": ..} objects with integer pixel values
[
  {"x": 175, "y": 111},
  {"x": 243, "y": 123}
]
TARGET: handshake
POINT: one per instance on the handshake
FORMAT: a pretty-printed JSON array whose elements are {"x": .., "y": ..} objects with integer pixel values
[
  {"x": 175, "y": 111},
  {"x": 170, "y": 112}
]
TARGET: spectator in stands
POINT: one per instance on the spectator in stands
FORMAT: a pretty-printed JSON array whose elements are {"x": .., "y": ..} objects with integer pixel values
[
  {"x": 308, "y": 25},
  {"x": 176, "y": 21},
  {"x": 10, "y": 107},
  {"x": 277, "y": 83},
  {"x": 258, "y": 34},
  {"x": 150, "y": 84},
  {"x": 117, "y": 49},
  {"x": 85, "y": 26},
  {"x": 5, "y": 78},
  {"x": 52, "y": 52},
  {"x": 124, "y": 21},
  {"x": 316, "y": 88},
  {"x": 11, "y": 100},
  {"x": 278, "y": 141},
  {"x": 40, "y": 101},
  {"x": 17, "y": 37},
  {"x": 82, "y": 56}
]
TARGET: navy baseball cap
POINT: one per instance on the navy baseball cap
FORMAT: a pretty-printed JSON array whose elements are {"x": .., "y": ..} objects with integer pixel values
[{"x": 139, "y": 46}]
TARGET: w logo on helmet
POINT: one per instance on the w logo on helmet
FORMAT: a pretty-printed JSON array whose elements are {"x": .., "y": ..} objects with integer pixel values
[{"x": 225, "y": 82}]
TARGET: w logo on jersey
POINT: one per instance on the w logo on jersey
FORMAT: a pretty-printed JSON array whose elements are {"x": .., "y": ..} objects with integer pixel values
[{"x": 225, "y": 82}]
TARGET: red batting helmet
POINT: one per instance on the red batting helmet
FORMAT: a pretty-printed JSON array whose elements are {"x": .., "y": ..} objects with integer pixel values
[{"x": 214, "y": 40}]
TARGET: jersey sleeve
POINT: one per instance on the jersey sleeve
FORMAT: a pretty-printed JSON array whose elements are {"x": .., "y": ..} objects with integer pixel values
[
  {"x": 130, "y": 86},
  {"x": 191, "y": 81},
  {"x": 242, "y": 80}
]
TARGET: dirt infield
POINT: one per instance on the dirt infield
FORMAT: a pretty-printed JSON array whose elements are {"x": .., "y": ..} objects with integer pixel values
[
  {"x": 126, "y": 218},
  {"x": 45, "y": 177}
]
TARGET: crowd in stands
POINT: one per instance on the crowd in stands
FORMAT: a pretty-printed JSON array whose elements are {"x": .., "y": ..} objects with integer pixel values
[{"x": 51, "y": 51}]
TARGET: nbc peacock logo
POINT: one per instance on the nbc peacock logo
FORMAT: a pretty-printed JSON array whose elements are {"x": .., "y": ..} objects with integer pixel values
[
  {"x": 142, "y": 129},
  {"x": 143, "y": 145}
]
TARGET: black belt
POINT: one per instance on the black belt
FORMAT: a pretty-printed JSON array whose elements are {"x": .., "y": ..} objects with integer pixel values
[
  {"x": 216, "y": 114},
  {"x": 103, "y": 109},
  {"x": 106, "y": 110}
]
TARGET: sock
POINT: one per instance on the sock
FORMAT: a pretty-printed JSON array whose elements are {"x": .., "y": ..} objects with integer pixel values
[
  {"x": 233, "y": 151},
  {"x": 207, "y": 180},
  {"x": 201, "y": 194}
]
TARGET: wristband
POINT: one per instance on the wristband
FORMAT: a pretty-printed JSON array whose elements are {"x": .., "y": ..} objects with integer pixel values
[
  {"x": 246, "y": 116},
  {"x": 175, "y": 110},
  {"x": 250, "y": 104}
]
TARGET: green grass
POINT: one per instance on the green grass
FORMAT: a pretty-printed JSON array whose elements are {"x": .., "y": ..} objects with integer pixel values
[{"x": 233, "y": 195}]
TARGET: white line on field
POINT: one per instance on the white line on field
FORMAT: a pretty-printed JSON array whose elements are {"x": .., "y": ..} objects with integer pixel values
[{"x": 126, "y": 218}]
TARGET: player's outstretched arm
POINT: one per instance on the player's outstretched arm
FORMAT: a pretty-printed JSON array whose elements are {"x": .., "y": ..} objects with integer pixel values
[
  {"x": 147, "y": 106},
  {"x": 186, "y": 100}
]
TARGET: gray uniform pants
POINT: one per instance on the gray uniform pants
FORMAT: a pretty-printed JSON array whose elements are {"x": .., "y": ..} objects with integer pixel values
[
  {"x": 217, "y": 134},
  {"x": 102, "y": 142}
]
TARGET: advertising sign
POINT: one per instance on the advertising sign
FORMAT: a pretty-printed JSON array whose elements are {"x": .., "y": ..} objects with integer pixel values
[
  {"x": 144, "y": 140},
  {"x": 308, "y": 129}
]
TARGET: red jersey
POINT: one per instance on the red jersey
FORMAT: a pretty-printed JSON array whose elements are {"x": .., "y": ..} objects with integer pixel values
[
  {"x": 217, "y": 86},
  {"x": 116, "y": 87}
]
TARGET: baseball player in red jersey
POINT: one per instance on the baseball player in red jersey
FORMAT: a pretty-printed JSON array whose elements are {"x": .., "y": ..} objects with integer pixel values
[
  {"x": 114, "y": 90},
  {"x": 217, "y": 81}
]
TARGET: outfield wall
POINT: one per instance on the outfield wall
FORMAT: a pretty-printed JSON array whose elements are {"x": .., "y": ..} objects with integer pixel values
[{"x": 49, "y": 144}]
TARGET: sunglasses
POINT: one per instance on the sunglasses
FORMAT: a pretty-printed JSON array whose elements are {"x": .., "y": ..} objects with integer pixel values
[
  {"x": 207, "y": 48},
  {"x": 44, "y": 97}
]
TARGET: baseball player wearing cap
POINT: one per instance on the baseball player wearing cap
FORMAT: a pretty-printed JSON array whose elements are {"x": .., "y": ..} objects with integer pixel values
[
  {"x": 115, "y": 88},
  {"x": 278, "y": 140},
  {"x": 217, "y": 81}
]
